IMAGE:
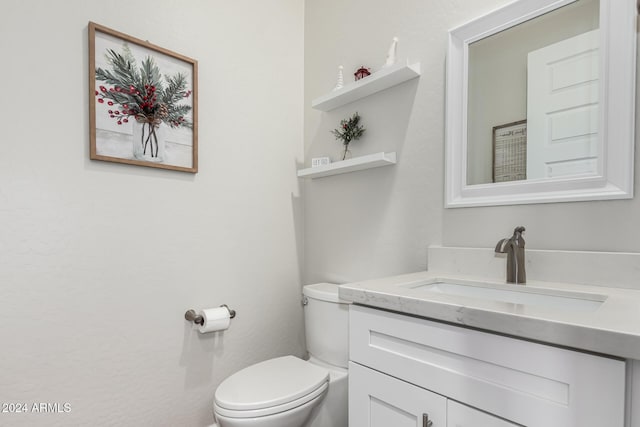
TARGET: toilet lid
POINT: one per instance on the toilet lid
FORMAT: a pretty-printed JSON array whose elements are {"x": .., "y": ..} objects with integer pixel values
[{"x": 270, "y": 383}]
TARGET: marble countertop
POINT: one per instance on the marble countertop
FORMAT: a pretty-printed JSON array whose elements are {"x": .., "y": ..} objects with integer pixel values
[{"x": 613, "y": 328}]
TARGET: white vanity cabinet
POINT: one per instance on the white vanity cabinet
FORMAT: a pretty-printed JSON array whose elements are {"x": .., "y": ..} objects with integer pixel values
[{"x": 403, "y": 368}]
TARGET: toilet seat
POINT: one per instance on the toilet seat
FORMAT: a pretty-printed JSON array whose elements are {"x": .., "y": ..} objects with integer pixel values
[{"x": 270, "y": 387}]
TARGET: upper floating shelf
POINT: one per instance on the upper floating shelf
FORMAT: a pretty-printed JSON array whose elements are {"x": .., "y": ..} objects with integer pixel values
[{"x": 376, "y": 82}]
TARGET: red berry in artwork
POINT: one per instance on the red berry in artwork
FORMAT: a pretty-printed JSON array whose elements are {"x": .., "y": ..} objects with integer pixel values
[{"x": 149, "y": 104}]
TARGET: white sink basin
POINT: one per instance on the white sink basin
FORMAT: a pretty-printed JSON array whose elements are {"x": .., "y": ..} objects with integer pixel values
[{"x": 516, "y": 294}]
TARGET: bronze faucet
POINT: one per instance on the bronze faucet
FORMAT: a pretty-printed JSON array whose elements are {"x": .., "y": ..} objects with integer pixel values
[{"x": 514, "y": 248}]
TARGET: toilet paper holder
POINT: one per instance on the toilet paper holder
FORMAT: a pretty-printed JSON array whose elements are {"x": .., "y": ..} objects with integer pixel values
[{"x": 196, "y": 318}]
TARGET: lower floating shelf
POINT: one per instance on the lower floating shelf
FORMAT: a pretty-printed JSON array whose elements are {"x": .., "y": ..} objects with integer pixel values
[{"x": 351, "y": 165}]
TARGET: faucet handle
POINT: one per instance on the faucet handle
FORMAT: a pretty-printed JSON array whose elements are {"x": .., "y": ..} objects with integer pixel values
[{"x": 502, "y": 244}]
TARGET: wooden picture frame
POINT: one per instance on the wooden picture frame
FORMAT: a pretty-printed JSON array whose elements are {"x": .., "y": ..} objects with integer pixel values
[
  {"x": 510, "y": 152},
  {"x": 143, "y": 102}
]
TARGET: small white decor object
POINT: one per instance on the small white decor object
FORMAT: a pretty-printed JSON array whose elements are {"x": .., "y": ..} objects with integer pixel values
[
  {"x": 320, "y": 161},
  {"x": 340, "y": 82},
  {"x": 391, "y": 55}
]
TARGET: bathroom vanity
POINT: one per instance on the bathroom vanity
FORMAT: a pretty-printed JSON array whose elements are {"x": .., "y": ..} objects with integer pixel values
[
  {"x": 445, "y": 349},
  {"x": 404, "y": 368}
]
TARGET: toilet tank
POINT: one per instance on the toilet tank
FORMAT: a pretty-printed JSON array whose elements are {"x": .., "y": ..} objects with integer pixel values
[{"x": 326, "y": 323}]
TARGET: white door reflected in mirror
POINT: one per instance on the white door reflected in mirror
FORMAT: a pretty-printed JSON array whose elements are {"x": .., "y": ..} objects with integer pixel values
[
  {"x": 500, "y": 90},
  {"x": 562, "y": 108}
]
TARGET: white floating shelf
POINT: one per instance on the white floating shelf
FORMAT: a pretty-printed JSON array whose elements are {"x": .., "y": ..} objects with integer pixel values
[
  {"x": 351, "y": 165},
  {"x": 376, "y": 82}
]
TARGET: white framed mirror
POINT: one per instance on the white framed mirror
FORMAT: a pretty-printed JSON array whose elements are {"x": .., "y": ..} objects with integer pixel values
[{"x": 540, "y": 104}]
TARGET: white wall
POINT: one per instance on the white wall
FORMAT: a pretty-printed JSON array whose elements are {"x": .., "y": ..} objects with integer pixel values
[
  {"x": 99, "y": 261},
  {"x": 379, "y": 222}
]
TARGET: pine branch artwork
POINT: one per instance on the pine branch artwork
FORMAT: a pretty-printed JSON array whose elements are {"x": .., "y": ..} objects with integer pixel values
[
  {"x": 350, "y": 130},
  {"x": 144, "y": 94}
]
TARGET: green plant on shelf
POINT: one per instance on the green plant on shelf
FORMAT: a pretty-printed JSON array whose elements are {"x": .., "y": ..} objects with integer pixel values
[{"x": 350, "y": 130}]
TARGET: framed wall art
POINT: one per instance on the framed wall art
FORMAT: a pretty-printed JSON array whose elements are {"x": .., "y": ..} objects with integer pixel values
[
  {"x": 143, "y": 102},
  {"x": 510, "y": 152}
]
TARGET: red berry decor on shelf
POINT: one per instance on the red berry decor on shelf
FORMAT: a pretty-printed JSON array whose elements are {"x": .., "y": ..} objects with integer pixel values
[{"x": 362, "y": 72}]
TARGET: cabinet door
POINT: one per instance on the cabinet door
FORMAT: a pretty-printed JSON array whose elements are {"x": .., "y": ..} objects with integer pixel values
[
  {"x": 464, "y": 416},
  {"x": 378, "y": 400}
]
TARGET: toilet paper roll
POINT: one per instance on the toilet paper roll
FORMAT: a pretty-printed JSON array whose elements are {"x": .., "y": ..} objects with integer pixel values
[{"x": 215, "y": 319}]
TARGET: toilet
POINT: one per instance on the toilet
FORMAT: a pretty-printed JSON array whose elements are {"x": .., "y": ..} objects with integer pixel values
[{"x": 289, "y": 391}]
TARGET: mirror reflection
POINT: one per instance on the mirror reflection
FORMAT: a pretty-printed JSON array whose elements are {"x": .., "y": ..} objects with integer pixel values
[{"x": 532, "y": 104}]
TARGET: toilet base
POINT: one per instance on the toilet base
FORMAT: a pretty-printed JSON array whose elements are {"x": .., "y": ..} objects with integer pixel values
[
  {"x": 333, "y": 411},
  {"x": 295, "y": 418}
]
